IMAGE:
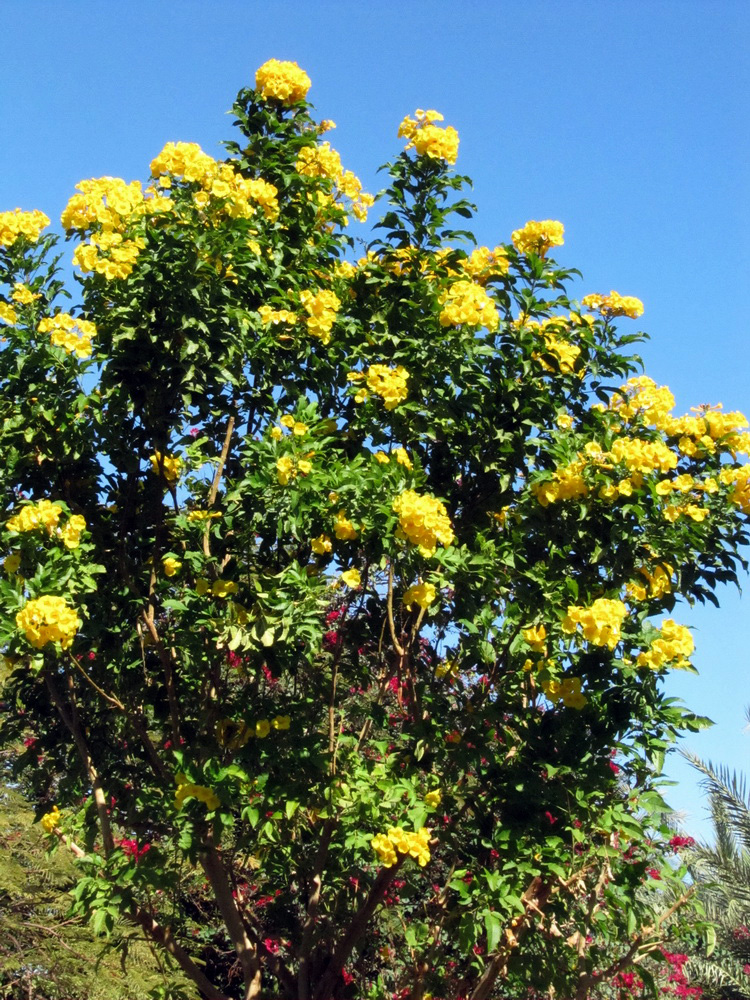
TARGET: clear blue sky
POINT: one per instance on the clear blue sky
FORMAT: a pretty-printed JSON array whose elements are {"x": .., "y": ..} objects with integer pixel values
[{"x": 625, "y": 120}]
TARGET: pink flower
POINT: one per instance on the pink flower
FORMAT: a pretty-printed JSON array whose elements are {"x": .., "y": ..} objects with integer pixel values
[{"x": 653, "y": 873}]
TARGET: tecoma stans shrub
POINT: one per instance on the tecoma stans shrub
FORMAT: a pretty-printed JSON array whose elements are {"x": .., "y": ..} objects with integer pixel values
[{"x": 338, "y": 583}]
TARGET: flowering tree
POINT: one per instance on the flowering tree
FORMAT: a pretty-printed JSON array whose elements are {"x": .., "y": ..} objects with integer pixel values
[{"x": 332, "y": 591}]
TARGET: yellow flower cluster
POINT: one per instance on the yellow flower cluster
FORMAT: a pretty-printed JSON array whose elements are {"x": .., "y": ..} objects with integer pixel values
[
  {"x": 73, "y": 335},
  {"x": 673, "y": 648},
  {"x": 536, "y": 637},
  {"x": 297, "y": 427},
  {"x": 281, "y": 81},
  {"x": 388, "y": 383},
  {"x": 538, "y": 237},
  {"x": 8, "y": 314},
  {"x": 275, "y": 316},
  {"x": 343, "y": 528},
  {"x": 566, "y": 353},
  {"x": 601, "y": 623},
  {"x": 568, "y": 690},
  {"x": 202, "y": 515},
  {"x": 48, "y": 619},
  {"x": 739, "y": 481},
  {"x": 167, "y": 466},
  {"x": 427, "y": 138},
  {"x": 108, "y": 201},
  {"x": 33, "y": 516},
  {"x": 483, "y": 264},
  {"x": 219, "y": 588},
  {"x": 321, "y": 308},
  {"x": 51, "y": 820},
  {"x": 389, "y": 845},
  {"x": 615, "y": 304},
  {"x": 71, "y": 533},
  {"x": 24, "y": 295},
  {"x": 643, "y": 398},
  {"x": 238, "y": 195},
  {"x": 567, "y": 484},
  {"x": 422, "y": 594},
  {"x": 17, "y": 223},
  {"x": 287, "y": 468},
  {"x": 323, "y": 162},
  {"x": 322, "y": 545},
  {"x": 108, "y": 254},
  {"x": 320, "y": 161},
  {"x": 236, "y": 734},
  {"x": 658, "y": 583},
  {"x": 186, "y": 789},
  {"x": 466, "y": 302},
  {"x": 424, "y": 521},
  {"x": 171, "y": 566},
  {"x": 643, "y": 456}
]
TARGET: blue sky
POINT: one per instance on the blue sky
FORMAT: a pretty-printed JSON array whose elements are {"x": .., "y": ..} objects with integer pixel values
[{"x": 625, "y": 120}]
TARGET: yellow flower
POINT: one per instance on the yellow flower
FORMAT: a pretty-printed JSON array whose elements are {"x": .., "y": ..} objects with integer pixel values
[
  {"x": 171, "y": 566},
  {"x": 223, "y": 588},
  {"x": 74, "y": 335},
  {"x": 287, "y": 420},
  {"x": 343, "y": 528},
  {"x": 321, "y": 308},
  {"x": 31, "y": 517},
  {"x": 465, "y": 302},
  {"x": 352, "y": 578},
  {"x": 51, "y": 820},
  {"x": 282, "y": 722},
  {"x": 202, "y": 586},
  {"x": 48, "y": 619},
  {"x": 285, "y": 470},
  {"x": 16, "y": 224},
  {"x": 429, "y": 139},
  {"x": 12, "y": 562},
  {"x": 423, "y": 594},
  {"x": 568, "y": 691},
  {"x": 600, "y": 623},
  {"x": 276, "y": 433},
  {"x": 402, "y": 457},
  {"x": 321, "y": 545},
  {"x": 168, "y": 466},
  {"x": 538, "y": 237},
  {"x": 186, "y": 789},
  {"x": 535, "y": 636},
  {"x": 282, "y": 81},
  {"x": 615, "y": 304},
  {"x": 24, "y": 295},
  {"x": 262, "y": 728},
  {"x": 424, "y": 521},
  {"x": 202, "y": 515},
  {"x": 304, "y": 466},
  {"x": 564, "y": 421},
  {"x": 433, "y": 798},
  {"x": 388, "y": 383},
  {"x": 8, "y": 314},
  {"x": 380, "y": 456},
  {"x": 71, "y": 533}
]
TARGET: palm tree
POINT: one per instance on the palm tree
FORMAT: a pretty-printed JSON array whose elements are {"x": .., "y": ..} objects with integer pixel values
[{"x": 722, "y": 871}]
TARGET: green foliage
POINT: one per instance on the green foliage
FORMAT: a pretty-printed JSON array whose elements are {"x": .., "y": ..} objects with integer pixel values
[
  {"x": 329, "y": 589},
  {"x": 46, "y": 954},
  {"x": 722, "y": 874}
]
